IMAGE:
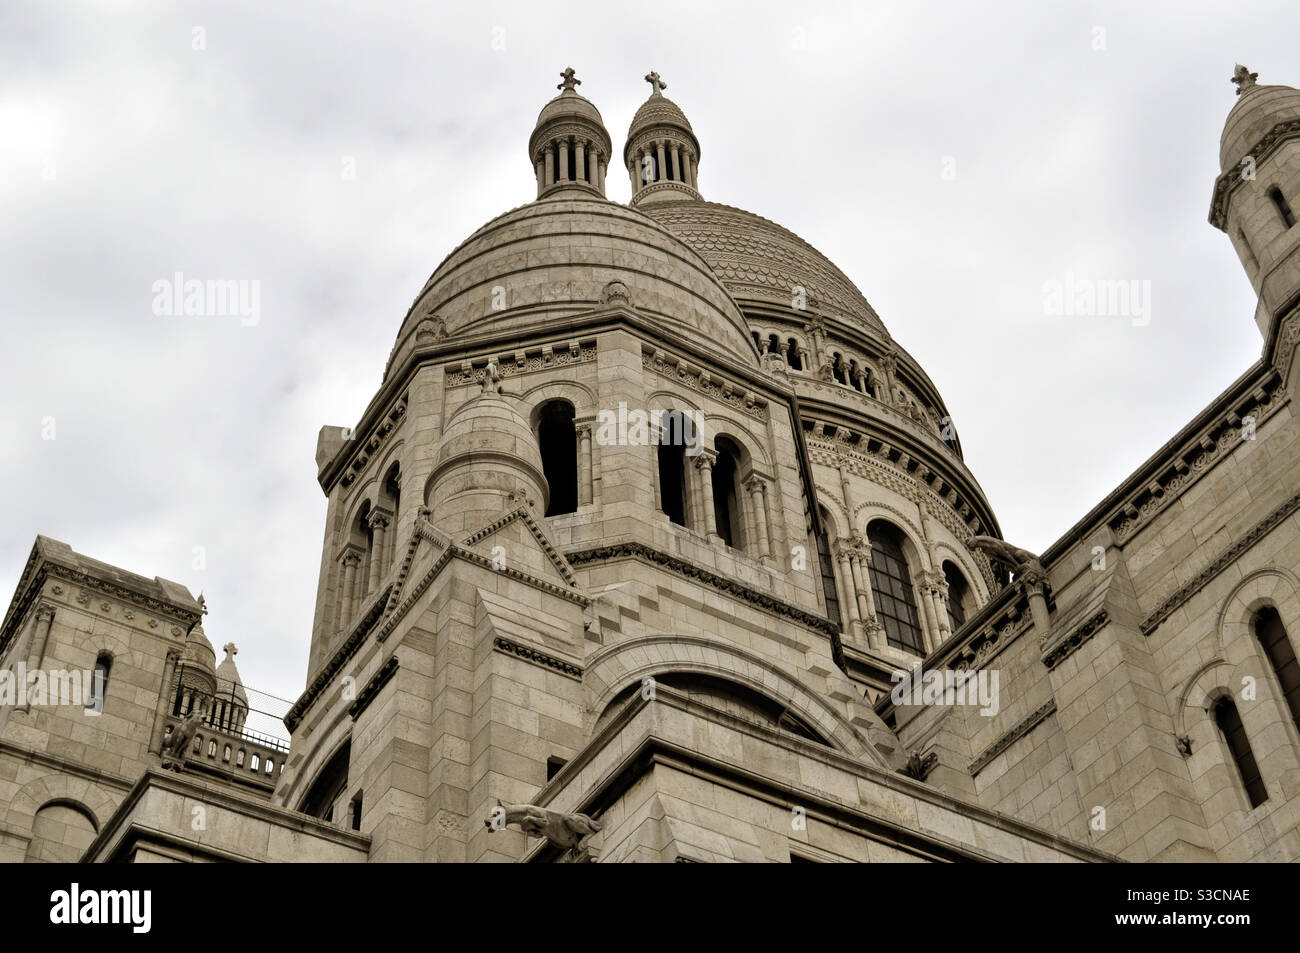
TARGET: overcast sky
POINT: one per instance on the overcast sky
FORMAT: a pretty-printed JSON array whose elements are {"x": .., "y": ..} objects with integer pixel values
[{"x": 217, "y": 140}]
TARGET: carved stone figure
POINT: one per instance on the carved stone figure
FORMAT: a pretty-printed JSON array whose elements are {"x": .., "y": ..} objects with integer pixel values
[
  {"x": 566, "y": 831},
  {"x": 176, "y": 749},
  {"x": 1021, "y": 561}
]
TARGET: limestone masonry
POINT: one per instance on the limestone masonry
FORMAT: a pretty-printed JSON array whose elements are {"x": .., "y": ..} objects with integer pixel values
[{"x": 626, "y": 559}]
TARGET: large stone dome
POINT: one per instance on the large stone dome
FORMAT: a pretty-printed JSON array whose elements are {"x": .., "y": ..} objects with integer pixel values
[
  {"x": 759, "y": 260},
  {"x": 552, "y": 259},
  {"x": 1258, "y": 110}
]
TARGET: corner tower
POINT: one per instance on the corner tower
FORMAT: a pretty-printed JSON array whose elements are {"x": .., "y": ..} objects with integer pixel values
[
  {"x": 569, "y": 147},
  {"x": 1256, "y": 201}
]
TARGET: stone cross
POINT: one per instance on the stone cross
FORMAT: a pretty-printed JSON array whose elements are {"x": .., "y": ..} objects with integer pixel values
[
  {"x": 230, "y": 650},
  {"x": 653, "y": 79},
  {"x": 570, "y": 80},
  {"x": 1244, "y": 78}
]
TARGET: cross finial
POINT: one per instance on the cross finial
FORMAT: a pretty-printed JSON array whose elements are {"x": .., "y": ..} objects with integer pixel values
[
  {"x": 1244, "y": 78},
  {"x": 653, "y": 79},
  {"x": 230, "y": 650},
  {"x": 570, "y": 80}
]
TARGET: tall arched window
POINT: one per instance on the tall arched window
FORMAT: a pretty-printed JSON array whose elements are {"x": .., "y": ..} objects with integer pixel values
[
  {"x": 97, "y": 690},
  {"x": 728, "y": 513},
  {"x": 328, "y": 786},
  {"x": 559, "y": 445},
  {"x": 1234, "y": 733},
  {"x": 1282, "y": 206},
  {"x": 891, "y": 584},
  {"x": 672, "y": 466},
  {"x": 837, "y": 368},
  {"x": 1277, "y": 646},
  {"x": 827, "y": 569},
  {"x": 957, "y": 590}
]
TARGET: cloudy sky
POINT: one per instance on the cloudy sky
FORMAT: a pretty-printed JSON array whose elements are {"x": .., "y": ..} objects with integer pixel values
[{"x": 951, "y": 159}]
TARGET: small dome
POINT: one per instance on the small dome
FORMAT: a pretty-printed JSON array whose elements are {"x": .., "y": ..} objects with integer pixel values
[
  {"x": 228, "y": 679},
  {"x": 487, "y": 455},
  {"x": 565, "y": 122},
  {"x": 198, "y": 651},
  {"x": 658, "y": 110},
  {"x": 1257, "y": 111}
]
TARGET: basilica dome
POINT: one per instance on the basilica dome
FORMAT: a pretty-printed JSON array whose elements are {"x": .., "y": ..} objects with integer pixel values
[
  {"x": 760, "y": 261},
  {"x": 544, "y": 262}
]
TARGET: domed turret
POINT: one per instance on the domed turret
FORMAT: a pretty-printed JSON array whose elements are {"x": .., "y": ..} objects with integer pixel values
[
  {"x": 230, "y": 688},
  {"x": 569, "y": 147},
  {"x": 1258, "y": 191},
  {"x": 487, "y": 456},
  {"x": 661, "y": 153}
]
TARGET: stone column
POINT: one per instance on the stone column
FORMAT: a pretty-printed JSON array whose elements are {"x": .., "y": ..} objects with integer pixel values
[
  {"x": 677, "y": 164},
  {"x": 1031, "y": 580},
  {"x": 757, "y": 506},
  {"x": 584, "y": 463},
  {"x": 580, "y": 159},
  {"x": 661, "y": 170},
  {"x": 564, "y": 162},
  {"x": 378, "y": 550},
  {"x": 601, "y": 173},
  {"x": 875, "y": 632},
  {"x": 632, "y": 171},
  {"x": 593, "y": 167},
  {"x": 541, "y": 176},
  {"x": 688, "y": 168},
  {"x": 44, "y": 620},
  {"x": 166, "y": 699},
  {"x": 704, "y": 464},
  {"x": 351, "y": 559},
  {"x": 849, "y": 586},
  {"x": 550, "y": 165}
]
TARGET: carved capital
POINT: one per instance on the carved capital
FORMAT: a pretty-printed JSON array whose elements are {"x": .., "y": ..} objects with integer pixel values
[
  {"x": 45, "y": 612},
  {"x": 379, "y": 518}
]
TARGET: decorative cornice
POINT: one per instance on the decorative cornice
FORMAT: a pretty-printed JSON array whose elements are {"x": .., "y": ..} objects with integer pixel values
[
  {"x": 1012, "y": 736},
  {"x": 1063, "y": 648},
  {"x": 1194, "y": 459},
  {"x": 373, "y": 687},
  {"x": 522, "y": 361},
  {"x": 680, "y": 566},
  {"x": 1221, "y": 562},
  {"x": 696, "y": 378},
  {"x": 537, "y": 657},
  {"x": 356, "y": 638},
  {"x": 378, "y": 436},
  {"x": 1231, "y": 180}
]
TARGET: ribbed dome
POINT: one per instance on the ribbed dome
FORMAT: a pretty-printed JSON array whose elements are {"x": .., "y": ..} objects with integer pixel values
[
  {"x": 658, "y": 110},
  {"x": 1257, "y": 111},
  {"x": 553, "y": 258},
  {"x": 759, "y": 260}
]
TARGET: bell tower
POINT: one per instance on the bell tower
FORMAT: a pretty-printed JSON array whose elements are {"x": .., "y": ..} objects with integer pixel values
[
  {"x": 662, "y": 154},
  {"x": 1256, "y": 200}
]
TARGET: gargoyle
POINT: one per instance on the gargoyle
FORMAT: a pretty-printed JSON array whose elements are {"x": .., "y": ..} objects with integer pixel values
[
  {"x": 566, "y": 831},
  {"x": 1021, "y": 561},
  {"x": 176, "y": 748}
]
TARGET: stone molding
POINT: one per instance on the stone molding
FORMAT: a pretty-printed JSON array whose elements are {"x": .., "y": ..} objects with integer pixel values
[
  {"x": 697, "y": 378},
  {"x": 1064, "y": 647},
  {"x": 522, "y": 361},
  {"x": 1221, "y": 562},
  {"x": 377, "y": 437},
  {"x": 537, "y": 657},
  {"x": 374, "y": 687},
  {"x": 1012, "y": 736}
]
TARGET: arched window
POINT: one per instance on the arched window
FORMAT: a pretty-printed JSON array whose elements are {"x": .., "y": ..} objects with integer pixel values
[
  {"x": 773, "y": 344},
  {"x": 827, "y": 569},
  {"x": 792, "y": 355},
  {"x": 868, "y": 384},
  {"x": 365, "y": 538},
  {"x": 559, "y": 445},
  {"x": 728, "y": 514},
  {"x": 329, "y": 785},
  {"x": 1234, "y": 733},
  {"x": 891, "y": 584},
  {"x": 97, "y": 690},
  {"x": 239, "y": 759},
  {"x": 212, "y": 748},
  {"x": 957, "y": 590},
  {"x": 758, "y": 341},
  {"x": 1282, "y": 206},
  {"x": 1277, "y": 646},
  {"x": 672, "y": 465},
  {"x": 225, "y": 755},
  {"x": 855, "y": 375},
  {"x": 392, "y": 497},
  {"x": 61, "y": 832},
  {"x": 255, "y": 762}
]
